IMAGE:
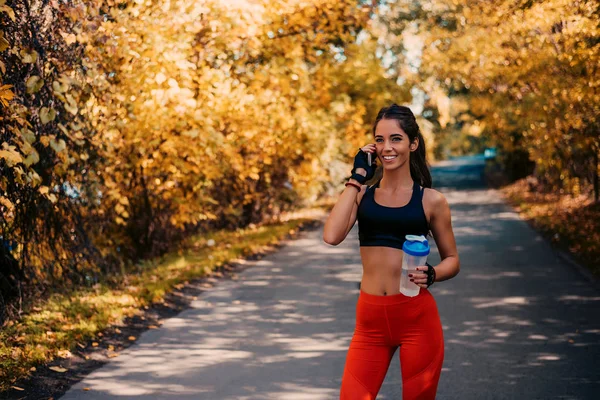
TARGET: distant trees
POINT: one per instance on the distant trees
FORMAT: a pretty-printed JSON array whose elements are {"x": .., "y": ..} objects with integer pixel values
[{"x": 523, "y": 75}]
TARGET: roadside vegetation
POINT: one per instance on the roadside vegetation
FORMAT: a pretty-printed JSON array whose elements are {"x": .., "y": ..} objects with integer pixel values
[
  {"x": 57, "y": 326},
  {"x": 571, "y": 222}
]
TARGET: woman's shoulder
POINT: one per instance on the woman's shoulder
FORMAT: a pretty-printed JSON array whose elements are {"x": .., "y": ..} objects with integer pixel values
[
  {"x": 434, "y": 199},
  {"x": 432, "y": 193}
]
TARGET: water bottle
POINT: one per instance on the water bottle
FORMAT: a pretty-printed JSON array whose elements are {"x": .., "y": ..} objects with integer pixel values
[{"x": 416, "y": 249}]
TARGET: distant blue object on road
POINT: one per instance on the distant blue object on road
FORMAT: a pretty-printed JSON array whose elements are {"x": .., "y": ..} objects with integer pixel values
[
  {"x": 490, "y": 152},
  {"x": 9, "y": 245}
]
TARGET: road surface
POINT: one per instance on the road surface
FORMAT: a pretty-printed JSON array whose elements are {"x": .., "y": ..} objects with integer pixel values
[{"x": 519, "y": 323}]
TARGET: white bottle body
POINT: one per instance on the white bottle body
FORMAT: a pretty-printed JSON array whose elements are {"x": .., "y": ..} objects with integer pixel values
[{"x": 409, "y": 265}]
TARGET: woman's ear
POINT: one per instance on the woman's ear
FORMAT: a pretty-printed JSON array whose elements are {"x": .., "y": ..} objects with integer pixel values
[{"x": 414, "y": 144}]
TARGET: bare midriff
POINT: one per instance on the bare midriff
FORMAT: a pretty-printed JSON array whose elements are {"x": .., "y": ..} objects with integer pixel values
[{"x": 382, "y": 268}]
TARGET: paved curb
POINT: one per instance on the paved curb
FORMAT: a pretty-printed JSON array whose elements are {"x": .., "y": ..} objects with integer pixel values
[
  {"x": 563, "y": 255},
  {"x": 567, "y": 258}
]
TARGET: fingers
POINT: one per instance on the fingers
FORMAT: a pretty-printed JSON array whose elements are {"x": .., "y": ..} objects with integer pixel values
[
  {"x": 419, "y": 278},
  {"x": 370, "y": 148}
]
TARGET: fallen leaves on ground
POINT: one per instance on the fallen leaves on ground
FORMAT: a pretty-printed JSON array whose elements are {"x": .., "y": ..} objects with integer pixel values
[{"x": 572, "y": 223}]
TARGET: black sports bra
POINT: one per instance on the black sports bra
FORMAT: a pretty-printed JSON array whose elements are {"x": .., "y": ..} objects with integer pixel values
[{"x": 387, "y": 226}]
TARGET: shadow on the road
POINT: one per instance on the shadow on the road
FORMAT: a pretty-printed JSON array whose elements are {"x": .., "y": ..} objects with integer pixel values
[
  {"x": 284, "y": 330},
  {"x": 518, "y": 324}
]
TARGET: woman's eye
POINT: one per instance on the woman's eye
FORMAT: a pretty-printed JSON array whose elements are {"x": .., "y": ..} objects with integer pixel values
[{"x": 381, "y": 140}]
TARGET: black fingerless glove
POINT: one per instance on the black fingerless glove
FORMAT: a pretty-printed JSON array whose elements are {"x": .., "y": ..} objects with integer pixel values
[
  {"x": 361, "y": 161},
  {"x": 430, "y": 274}
]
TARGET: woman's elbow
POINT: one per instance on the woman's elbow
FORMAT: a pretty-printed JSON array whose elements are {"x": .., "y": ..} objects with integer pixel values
[
  {"x": 457, "y": 269},
  {"x": 330, "y": 239}
]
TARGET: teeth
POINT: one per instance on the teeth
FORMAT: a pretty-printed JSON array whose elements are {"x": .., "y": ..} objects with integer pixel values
[{"x": 389, "y": 157}]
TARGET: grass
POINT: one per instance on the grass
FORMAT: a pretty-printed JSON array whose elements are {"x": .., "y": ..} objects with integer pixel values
[
  {"x": 571, "y": 223},
  {"x": 55, "y": 326}
]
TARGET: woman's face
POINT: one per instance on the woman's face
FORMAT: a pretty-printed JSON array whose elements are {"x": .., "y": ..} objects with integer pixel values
[{"x": 391, "y": 140}]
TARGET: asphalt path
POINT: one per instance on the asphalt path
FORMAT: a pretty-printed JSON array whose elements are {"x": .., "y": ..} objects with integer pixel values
[{"x": 519, "y": 322}]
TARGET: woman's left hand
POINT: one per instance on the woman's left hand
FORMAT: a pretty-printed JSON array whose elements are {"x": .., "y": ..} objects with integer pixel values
[{"x": 419, "y": 277}]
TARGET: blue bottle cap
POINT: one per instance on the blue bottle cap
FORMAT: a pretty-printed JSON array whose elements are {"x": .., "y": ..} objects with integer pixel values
[{"x": 416, "y": 245}]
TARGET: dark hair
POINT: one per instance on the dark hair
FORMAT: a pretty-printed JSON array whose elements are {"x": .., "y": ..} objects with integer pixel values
[{"x": 419, "y": 170}]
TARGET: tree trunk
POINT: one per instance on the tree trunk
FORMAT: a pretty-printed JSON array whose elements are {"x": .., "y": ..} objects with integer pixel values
[{"x": 596, "y": 188}]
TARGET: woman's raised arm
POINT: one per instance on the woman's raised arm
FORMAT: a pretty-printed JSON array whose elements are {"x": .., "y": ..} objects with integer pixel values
[{"x": 343, "y": 215}]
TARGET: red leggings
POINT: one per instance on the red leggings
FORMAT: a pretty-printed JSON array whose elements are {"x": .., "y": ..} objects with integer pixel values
[{"x": 382, "y": 324}]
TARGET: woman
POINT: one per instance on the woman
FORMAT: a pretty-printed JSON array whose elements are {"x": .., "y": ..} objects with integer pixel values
[{"x": 401, "y": 203}]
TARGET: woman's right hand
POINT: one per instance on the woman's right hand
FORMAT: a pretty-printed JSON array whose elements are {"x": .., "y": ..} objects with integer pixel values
[{"x": 362, "y": 172}]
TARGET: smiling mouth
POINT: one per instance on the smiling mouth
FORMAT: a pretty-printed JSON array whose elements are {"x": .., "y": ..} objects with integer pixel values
[{"x": 389, "y": 158}]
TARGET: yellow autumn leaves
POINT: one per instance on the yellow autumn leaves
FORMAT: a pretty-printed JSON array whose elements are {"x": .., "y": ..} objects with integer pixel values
[
  {"x": 6, "y": 94},
  {"x": 520, "y": 74},
  {"x": 135, "y": 123}
]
